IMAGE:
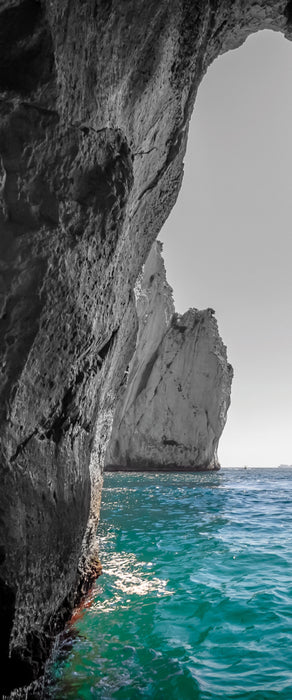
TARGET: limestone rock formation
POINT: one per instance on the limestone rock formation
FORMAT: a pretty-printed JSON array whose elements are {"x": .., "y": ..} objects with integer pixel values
[
  {"x": 95, "y": 102},
  {"x": 178, "y": 390}
]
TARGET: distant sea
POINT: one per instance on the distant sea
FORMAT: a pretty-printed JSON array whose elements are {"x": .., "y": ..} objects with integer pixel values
[{"x": 195, "y": 599}]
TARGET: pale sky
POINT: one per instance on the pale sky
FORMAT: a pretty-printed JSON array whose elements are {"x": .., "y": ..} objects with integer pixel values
[{"x": 228, "y": 241}]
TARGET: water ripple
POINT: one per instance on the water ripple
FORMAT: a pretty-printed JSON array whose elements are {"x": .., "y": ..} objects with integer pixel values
[{"x": 195, "y": 599}]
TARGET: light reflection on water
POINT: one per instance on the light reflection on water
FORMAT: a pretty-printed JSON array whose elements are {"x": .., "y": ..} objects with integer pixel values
[
  {"x": 195, "y": 598},
  {"x": 128, "y": 576}
]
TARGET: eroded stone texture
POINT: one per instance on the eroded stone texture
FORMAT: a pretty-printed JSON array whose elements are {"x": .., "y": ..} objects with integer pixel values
[
  {"x": 95, "y": 100},
  {"x": 178, "y": 390}
]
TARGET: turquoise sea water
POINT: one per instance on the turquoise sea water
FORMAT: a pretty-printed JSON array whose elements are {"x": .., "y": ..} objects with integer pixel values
[{"x": 195, "y": 602}]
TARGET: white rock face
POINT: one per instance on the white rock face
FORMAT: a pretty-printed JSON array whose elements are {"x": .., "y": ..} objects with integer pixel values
[{"x": 178, "y": 390}]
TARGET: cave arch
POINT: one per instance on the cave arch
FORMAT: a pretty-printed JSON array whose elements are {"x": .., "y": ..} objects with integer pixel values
[{"x": 233, "y": 245}]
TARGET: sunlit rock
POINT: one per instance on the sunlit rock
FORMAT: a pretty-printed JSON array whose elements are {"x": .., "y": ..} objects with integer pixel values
[{"x": 178, "y": 387}]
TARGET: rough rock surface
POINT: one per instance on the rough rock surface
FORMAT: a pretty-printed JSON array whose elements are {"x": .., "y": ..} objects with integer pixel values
[
  {"x": 178, "y": 390},
  {"x": 95, "y": 101}
]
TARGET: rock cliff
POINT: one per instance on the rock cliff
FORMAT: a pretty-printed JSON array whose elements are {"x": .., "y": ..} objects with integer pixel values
[
  {"x": 95, "y": 101},
  {"x": 179, "y": 381}
]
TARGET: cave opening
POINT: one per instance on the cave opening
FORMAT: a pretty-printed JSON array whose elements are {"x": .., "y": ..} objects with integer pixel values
[{"x": 230, "y": 232}]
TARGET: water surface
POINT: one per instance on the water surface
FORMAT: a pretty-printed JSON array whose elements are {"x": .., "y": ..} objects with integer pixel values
[{"x": 195, "y": 597}]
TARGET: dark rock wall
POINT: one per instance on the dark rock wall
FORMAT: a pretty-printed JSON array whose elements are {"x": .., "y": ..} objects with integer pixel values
[{"x": 95, "y": 100}]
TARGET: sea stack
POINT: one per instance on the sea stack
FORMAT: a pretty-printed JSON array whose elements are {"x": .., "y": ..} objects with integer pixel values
[{"x": 174, "y": 408}]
